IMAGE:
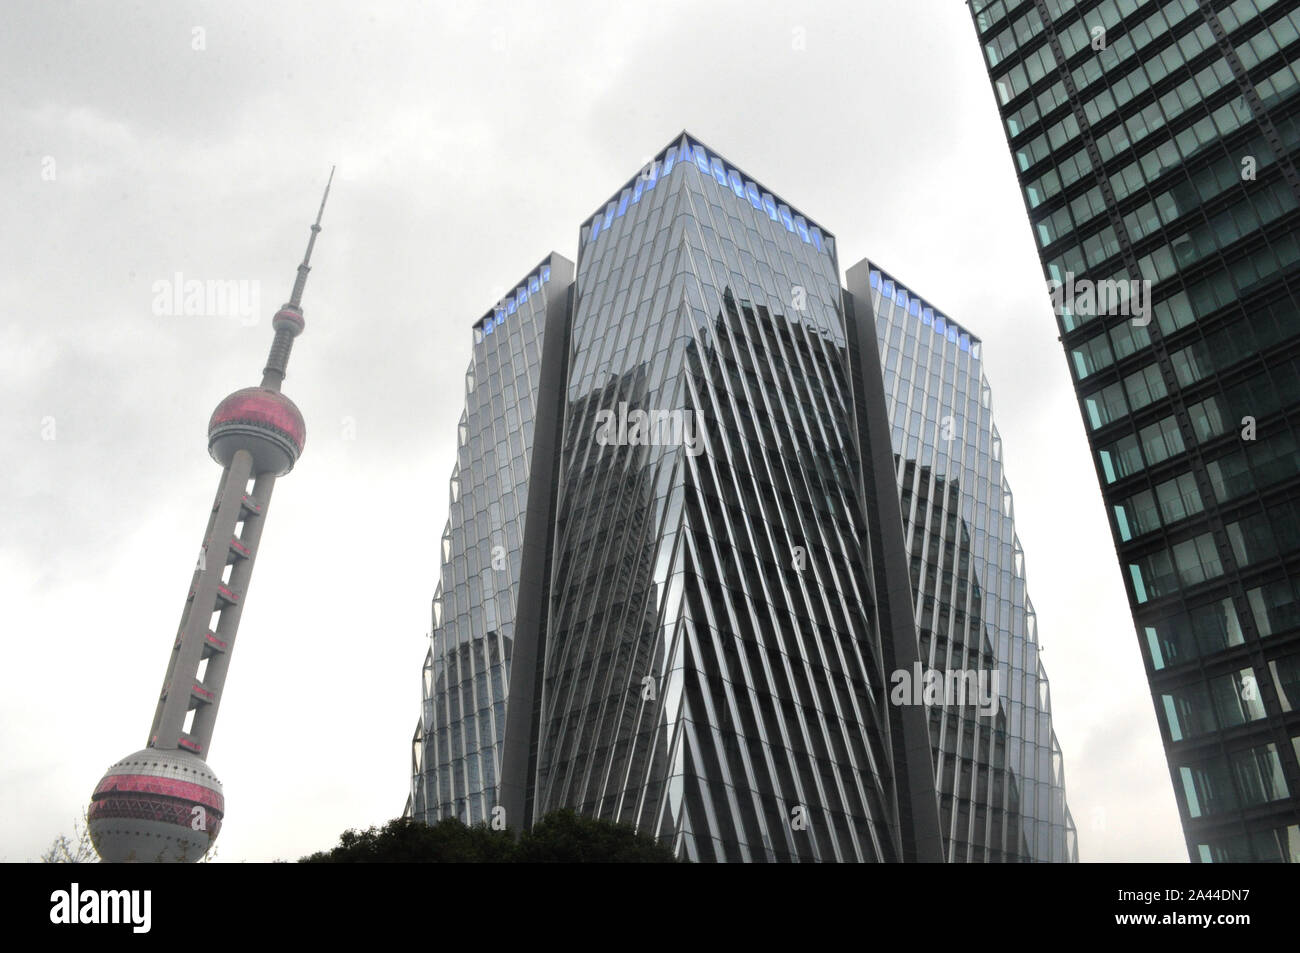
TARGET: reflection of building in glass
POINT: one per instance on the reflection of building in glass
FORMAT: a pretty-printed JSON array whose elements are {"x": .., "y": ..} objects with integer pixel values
[
  {"x": 1001, "y": 779},
  {"x": 602, "y": 734},
  {"x": 1165, "y": 154},
  {"x": 711, "y": 622}
]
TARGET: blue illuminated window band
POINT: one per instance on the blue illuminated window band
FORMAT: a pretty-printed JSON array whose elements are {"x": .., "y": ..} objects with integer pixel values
[
  {"x": 919, "y": 308},
  {"x": 726, "y": 178},
  {"x": 497, "y": 316}
]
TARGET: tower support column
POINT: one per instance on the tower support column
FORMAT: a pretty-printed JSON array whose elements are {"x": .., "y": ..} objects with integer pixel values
[
  {"x": 205, "y": 718},
  {"x": 169, "y": 719}
]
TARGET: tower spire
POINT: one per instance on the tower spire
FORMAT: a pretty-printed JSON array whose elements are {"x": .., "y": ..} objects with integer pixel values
[
  {"x": 288, "y": 321},
  {"x": 295, "y": 300}
]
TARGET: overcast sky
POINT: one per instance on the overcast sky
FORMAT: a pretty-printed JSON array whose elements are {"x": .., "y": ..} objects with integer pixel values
[{"x": 142, "y": 140}]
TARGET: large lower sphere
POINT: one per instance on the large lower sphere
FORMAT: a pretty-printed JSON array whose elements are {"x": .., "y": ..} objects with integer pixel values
[{"x": 156, "y": 806}]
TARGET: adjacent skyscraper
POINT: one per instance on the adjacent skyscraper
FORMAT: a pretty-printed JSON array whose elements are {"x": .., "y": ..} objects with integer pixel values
[
  {"x": 1155, "y": 145},
  {"x": 678, "y": 596},
  {"x": 163, "y": 803}
]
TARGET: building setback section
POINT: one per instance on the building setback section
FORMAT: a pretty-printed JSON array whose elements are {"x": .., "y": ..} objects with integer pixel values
[
  {"x": 484, "y": 591},
  {"x": 1001, "y": 774}
]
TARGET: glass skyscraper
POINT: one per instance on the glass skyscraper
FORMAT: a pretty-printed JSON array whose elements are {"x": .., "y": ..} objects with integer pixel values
[
  {"x": 1155, "y": 145},
  {"x": 698, "y": 625}
]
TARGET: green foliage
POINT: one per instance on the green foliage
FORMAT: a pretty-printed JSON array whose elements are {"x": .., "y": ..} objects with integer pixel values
[
  {"x": 565, "y": 837},
  {"x": 559, "y": 837},
  {"x": 405, "y": 841}
]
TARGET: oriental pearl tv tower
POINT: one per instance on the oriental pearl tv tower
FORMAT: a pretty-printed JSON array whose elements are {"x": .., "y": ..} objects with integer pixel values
[{"x": 163, "y": 803}]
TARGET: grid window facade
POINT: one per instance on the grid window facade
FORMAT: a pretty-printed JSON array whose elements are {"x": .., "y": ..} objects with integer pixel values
[{"x": 1155, "y": 145}]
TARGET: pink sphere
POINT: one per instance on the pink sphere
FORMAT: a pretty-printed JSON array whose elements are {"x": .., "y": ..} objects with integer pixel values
[
  {"x": 261, "y": 421},
  {"x": 156, "y": 805}
]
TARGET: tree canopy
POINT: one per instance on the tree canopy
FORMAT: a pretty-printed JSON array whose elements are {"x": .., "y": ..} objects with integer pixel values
[{"x": 561, "y": 837}]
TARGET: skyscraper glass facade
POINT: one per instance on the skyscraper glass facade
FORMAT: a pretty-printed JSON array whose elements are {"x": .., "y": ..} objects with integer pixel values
[
  {"x": 999, "y": 768},
  {"x": 1155, "y": 145},
  {"x": 717, "y": 567},
  {"x": 704, "y": 679}
]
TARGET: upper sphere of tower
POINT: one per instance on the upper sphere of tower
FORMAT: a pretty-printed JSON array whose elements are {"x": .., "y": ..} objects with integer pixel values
[
  {"x": 262, "y": 421},
  {"x": 290, "y": 318}
]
